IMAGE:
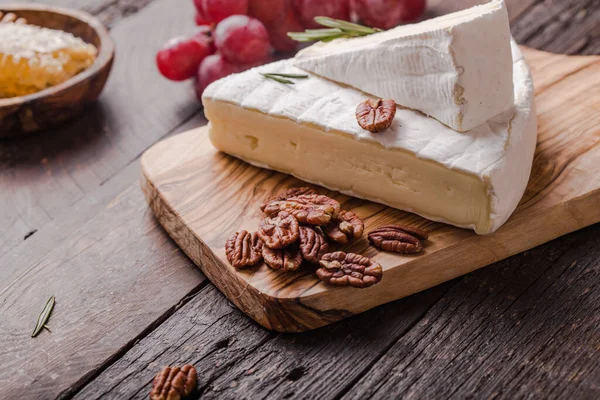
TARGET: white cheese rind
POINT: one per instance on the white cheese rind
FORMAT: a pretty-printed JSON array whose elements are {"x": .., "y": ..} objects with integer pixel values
[
  {"x": 456, "y": 68},
  {"x": 498, "y": 153}
]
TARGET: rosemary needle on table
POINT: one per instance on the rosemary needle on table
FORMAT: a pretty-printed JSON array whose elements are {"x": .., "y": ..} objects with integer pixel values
[
  {"x": 281, "y": 78},
  {"x": 43, "y": 317}
]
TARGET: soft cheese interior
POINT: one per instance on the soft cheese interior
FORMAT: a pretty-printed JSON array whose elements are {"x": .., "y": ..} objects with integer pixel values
[
  {"x": 456, "y": 68},
  {"x": 473, "y": 179}
]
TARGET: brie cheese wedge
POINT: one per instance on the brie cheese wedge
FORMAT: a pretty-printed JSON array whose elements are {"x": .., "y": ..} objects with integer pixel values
[
  {"x": 456, "y": 68},
  {"x": 473, "y": 179}
]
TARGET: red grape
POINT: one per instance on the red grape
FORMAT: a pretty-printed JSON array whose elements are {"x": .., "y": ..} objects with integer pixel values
[
  {"x": 278, "y": 33},
  {"x": 218, "y": 10},
  {"x": 179, "y": 58},
  {"x": 269, "y": 12},
  {"x": 213, "y": 67},
  {"x": 242, "y": 40},
  {"x": 307, "y": 10},
  {"x": 200, "y": 19},
  {"x": 413, "y": 10},
  {"x": 386, "y": 14}
]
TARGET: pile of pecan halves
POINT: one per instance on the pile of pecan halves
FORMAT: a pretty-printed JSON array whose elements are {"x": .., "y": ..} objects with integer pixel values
[{"x": 300, "y": 226}]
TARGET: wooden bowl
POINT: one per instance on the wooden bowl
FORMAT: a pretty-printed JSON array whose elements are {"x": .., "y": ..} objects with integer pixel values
[{"x": 25, "y": 114}]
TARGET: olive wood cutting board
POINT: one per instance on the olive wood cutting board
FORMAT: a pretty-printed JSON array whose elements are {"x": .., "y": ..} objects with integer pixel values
[{"x": 202, "y": 196}]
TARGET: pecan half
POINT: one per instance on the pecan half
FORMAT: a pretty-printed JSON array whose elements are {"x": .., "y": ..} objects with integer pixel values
[
  {"x": 375, "y": 115},
  {"x": 398, "y": 239},
  {"x": 244, "y": 249},
  {"x": 312, "y": 209},
  {"x": 312, "y": 244},
  {"x": 288, "y": 259},
  {"x": 346, "y": 227},
  {"x": 174, "y": 383},
  {"x": 279, "y": 231},
  {"x": 293, "y": 192},
  {"x": 343, "y": 269}
]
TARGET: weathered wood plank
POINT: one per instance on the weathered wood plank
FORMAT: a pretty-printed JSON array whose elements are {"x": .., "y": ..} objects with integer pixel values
[
  {"x": 114, "y": 274},
  {"x": 487, "y": 321},
  {"x": 45, "y": 174},
  {"x": 440, "y": 7},
  {"x": 566, "y": 27},
  {"x": 120, "y": 279},
  {"x": 253, "y": 363},
  {"x": 530, "y": 328}
]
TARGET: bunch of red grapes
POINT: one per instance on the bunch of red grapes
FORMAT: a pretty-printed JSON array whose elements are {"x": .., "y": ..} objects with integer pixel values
[{"x": 236, "y": 35}]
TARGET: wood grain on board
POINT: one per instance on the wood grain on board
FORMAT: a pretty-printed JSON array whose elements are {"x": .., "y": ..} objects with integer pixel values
[{"x": 201, "y": 196}]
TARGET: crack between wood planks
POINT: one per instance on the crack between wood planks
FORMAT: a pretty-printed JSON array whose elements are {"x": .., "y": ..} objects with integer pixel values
[
  {"x": 517, "y": 332},
  {"x": 165, "y": 349},
  {"x": 227, "y": 366},
  {"x": 94, "y": 373},
  {"x": 382, "y": 353},
  {"x": 348, "y": 387},
  {"x": 533, "y": 353},
  {"x": 439, "y": 332},
  {"x": 271, "y": 335}
]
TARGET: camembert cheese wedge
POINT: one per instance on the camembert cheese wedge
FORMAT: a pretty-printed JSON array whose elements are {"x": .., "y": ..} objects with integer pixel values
[
  {"x": 473, "y": 179},
  {"x": 456, "y": 68},
  {"x": 34, "y": 58}
]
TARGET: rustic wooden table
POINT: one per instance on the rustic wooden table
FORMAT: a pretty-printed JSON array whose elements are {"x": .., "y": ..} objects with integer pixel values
[{"x": 75, "y": 225}]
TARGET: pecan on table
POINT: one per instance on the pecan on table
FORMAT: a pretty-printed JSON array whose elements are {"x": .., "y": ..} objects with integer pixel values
[
  {"x": 174, "y": 383},
  {"x": 398, "y": 239},
  {"x": 376, "y": 115},
  {"x": 244, "y": 249},
  {"x": 293, "y": 192},
  {"x": 345, "y": 228},
  {"x": 278, "y": 231},
  {"x": 288, "y": 259},
  {"x": 312, "y": 209},
  {"x": 313, "y": 244},
  {"x": 343, "y": 269}
]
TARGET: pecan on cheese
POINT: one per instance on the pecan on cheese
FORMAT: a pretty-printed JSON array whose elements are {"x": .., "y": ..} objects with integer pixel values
[
  {"x": 278, "y": 231},
  {"x": 174, "y": 383},
  {"x": 343, "y": 269},
  {"x": 376, "y": 115}
]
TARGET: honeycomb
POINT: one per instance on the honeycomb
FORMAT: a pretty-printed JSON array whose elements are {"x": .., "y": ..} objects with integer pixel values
[{"x": 33, "y": 58}]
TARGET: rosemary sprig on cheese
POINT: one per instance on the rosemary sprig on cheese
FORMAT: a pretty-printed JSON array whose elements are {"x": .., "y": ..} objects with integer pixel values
[
  {"x": 334, "y": 29},
  {"x": 281, "y": 78}
]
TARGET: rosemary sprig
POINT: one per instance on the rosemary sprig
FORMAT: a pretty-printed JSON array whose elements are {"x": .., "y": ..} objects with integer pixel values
[
  {"x": 43, "y": 317},
  {"x": 334, "y": 29},
  {"x": 281, "y": 78}
]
